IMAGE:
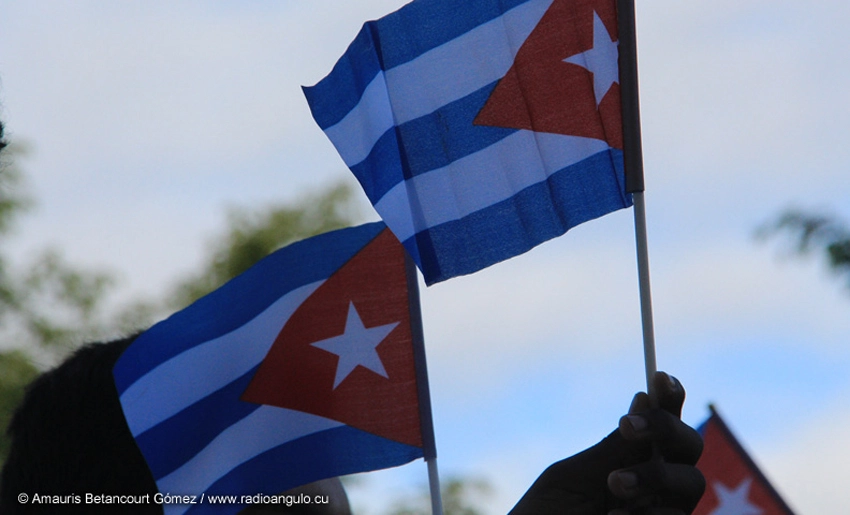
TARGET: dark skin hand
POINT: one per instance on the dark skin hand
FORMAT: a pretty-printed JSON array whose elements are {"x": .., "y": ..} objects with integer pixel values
[{"x": 646, "y": 467}]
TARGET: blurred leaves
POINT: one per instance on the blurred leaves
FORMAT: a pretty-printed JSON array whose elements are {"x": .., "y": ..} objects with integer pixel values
[
  {"x": 251, "y": 235},
  {"x": 460, "y": 496},
  {"x": 16, "y": 371},
  {"x": 59, "y": 305},
  {"x": 808, "y": 232},
  {"x": 48, "y": 306},
  {"x": 12, "y": 203}
]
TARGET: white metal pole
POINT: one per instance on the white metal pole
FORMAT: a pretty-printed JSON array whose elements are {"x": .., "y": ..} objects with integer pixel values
[
  {"x": 645, "y": 295},
  {"x": 434, "y": 485},
  {"x": 429, "y": 445},
  {"x": 633, "y": 161}
]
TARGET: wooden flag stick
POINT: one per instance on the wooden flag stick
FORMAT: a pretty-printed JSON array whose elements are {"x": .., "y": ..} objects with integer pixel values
[
  {"x": 426, "y": 420},
  {"x": 633, "y": 163}
]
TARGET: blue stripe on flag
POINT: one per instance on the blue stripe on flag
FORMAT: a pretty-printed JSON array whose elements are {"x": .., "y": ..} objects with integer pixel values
[
  {"x": 347, "y": 81},
  {"x": 386, "y": 158},
  {"x": 241, "y": 299},
  {"x": 448, "y": 134},
  {"x": 162, "y": 445},
  {"x": 437, "y": 22},
  {"x": 264, "y": 430},
  {"x": 480, "y": 180},
  {"x": 338, "y": 451},
  {"x": 438, "y": 77},
  {"x": 523, "y": 221},
  {"x": 364, "y": 59},
  {"x": 198, "y": 372},
  {"x": 430, "y": 142}
]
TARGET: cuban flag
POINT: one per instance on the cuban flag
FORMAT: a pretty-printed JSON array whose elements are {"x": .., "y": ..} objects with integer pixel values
[
  {"x": 480, "y": 128},
  {"x": 301, "y": 368},
  {"x": 734, "y": 483}
]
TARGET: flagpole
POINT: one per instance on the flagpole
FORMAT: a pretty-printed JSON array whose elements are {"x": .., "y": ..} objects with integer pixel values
[
  {"x": 645, "y": 294},
  {"x": 429, "y": 444},
  {"x": 434, "y": 486},
  {"x": 633, "y": 163}
]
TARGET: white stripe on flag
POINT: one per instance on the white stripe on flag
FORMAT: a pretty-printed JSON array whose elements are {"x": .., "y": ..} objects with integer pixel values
[
  {"x": 198, "y": 372},
  {"x": 481, "y": 180},
  {"x": 264, "y": 429},
  {"x": 462, "y": 66},
  {"x": 438, "y": 77},
  {"x": 356, "y": 134}
]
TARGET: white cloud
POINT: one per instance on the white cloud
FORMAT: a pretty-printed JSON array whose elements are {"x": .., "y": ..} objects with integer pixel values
[
  {"x": 727, "y": 289},
  {"x": 575, "y": 299},
  {"x": 742, "y": 104},
  {"x": 808, "y": 468}
]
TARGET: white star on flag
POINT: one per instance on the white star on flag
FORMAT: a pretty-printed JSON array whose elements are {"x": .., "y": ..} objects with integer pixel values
[
  {"x": 735, "y": 501},
  {"x": 602, "y": 60},
  {"x": 356, "y": 346}
]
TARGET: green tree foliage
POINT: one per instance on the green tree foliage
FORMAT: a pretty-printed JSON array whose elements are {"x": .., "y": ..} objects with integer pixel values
[
  {"x": 253, "y": 234},
  {"x": 12, "y": 200},
  {"x": 12, "y": 204},
  {"x": 16, "y": 370},
  {"x": 809, "y": 232},
  {"x": 460, "y": 495},
  {"x": 48, "y": 306},
  {"x": 59, "y": 305},
  {"x": 51, "y": 306}
]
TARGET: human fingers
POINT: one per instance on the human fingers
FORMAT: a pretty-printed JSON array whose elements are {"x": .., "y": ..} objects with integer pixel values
[
  {"x": 669, "y": 392},
  {"x": 640, "y": 403},
  {"x": 677, "y": 441},
  {"x": 663, "y": 485}
]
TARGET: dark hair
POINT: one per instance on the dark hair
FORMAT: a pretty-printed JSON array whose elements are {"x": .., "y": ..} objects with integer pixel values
[{"x": 69, "y": 437}]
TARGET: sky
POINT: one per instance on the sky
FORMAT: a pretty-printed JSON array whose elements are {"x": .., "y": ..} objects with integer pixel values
[{"x": 147, "y": 120}]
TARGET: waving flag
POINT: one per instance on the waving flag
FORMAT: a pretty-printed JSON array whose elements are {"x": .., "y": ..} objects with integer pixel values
[
  {"x": 734, "y": 484},
  {"x": 299, "y": 369},
  {"x": 480, "y": 129}
]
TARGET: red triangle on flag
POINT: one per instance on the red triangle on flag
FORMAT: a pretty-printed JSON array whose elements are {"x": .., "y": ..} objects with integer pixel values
[
  {"x": 309, "y": 367},
  {"x": 734, "y": 484},
  {"x": 544, "y": 93}
]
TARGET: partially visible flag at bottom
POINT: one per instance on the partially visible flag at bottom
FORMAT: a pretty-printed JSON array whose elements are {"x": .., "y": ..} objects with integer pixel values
[
  {"x": 734, "y": 484},
  {"x": 301, "y": 368}
]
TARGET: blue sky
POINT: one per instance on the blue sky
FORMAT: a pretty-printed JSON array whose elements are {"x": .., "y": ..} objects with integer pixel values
[{"x": 147, "y": 120}]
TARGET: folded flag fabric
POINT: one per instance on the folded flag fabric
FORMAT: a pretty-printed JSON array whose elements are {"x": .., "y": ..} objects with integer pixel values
[
  {"x": 301, "y": 368},
  {"x": 480, "y": 128},
  {"x": 734, "y": 484}
]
